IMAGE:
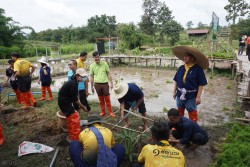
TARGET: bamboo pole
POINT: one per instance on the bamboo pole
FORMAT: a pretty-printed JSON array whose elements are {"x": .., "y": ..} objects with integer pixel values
[
  {"x": 137, "y": 115},
  {"x": 121, "y": 127},
  {"x": 109, "y": 115}
]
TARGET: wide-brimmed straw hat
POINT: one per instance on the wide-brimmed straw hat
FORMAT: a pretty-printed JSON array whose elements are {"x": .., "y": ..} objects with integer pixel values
[
  {"x": 119, "y": 90},
  {"x": 81, "y": 72},
  {"x": 43, "y": 60},
  {"x": 91, "y": 119},
  {"x": 201, "y": 59}
]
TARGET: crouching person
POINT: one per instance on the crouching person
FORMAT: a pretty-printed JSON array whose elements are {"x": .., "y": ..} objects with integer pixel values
[
  {"x": 159, "y": 153},
  {"x": 96, "y": 147},
  {"x": 66, "y": 96},
  {"x": 186, "y": 131}
]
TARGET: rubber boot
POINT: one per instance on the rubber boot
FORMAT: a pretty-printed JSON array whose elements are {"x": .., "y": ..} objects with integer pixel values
[
  {"x": 73, "y": 125},
  {"x": 31, "y": 97},
  {"x": 181, "y": 111},
  {"x": 1, "y": 135},
  {"x": 18, "y": 96},
  {"x": 102, "y": 105},
  {"x": 43, "y": 90},
  {"x": 50, "y": 93},
  {"x": 193, "y": 115},
  {"x": 25, "y": 96},
  {"x": 108, "y": 104}
]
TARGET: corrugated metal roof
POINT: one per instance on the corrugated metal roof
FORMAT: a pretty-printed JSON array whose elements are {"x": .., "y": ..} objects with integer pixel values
[{"x": 201, "y": 31}]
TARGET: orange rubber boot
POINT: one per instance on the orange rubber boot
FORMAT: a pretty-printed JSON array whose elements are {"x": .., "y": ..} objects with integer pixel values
[
  {"x": 102, "y": 105},
  {"x": 181, "y": 111},
  {"x": 43, "y": 90},
  {"x": 1, "y": 135},
  {"x": 18, "y": 96},
  {"x": 193, "y": 115},
  {"x": 50, "y": 93},
  {"x": 108, "y": 103},
  {"x": 26, "y": 99},
  {"x": 31, "y": 97},
  {"x": 73, "y": 125}
]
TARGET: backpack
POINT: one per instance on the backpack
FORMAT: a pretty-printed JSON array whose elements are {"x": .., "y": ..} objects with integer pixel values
[{"x": 106, "y": 157}]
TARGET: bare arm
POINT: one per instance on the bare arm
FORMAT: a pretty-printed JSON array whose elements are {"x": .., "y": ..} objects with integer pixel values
[
  {"x": 92, "y": 83},
  {"x": 82, "y": 106},
  {"x": 198, "y": 98},
  {"x": 138, "y": 103},
  {"x": 110, "y": 80},
  {"x": 86, "y": 83},
  {"x": 174, "y": 141},
  {"x": 122, "y": 110},
  {"x": 174, "y": 90},
  {"x": 45, "y": 71},
  {"x": 32, "y": 69}
]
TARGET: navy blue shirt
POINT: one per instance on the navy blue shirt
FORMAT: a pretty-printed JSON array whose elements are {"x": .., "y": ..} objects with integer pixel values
[
  {"x": 45, "y": 78},
  {"x": 194, "y": 78},
  {"x": 188, "y": 129},
  {"x": 134, "y": 94}
]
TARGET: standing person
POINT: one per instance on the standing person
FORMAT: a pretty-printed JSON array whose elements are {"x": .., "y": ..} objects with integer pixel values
[
  {"x": 45, "y": 79},
  {"x": 248, "y": 48},
  {"x": 96, "y": 146},
  {"x": 242, "y": 44},
  {"x": 10, "y": 74},
  {"x": 100, "y": 76},
  {"x": 186, "y": 132},
  {"x": 82, "y": 85},
  {"x": 189, "y": 80},
  {"x": 67, "y": 95},
  {"x": 157, "y": 153},
  {"x": 23, "y": 75},
  {"x": 129, "y": 96},
  {"x": 81, "y": 60}
]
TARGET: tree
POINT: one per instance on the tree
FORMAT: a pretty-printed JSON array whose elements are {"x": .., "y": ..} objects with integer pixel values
[
  {"x": 189, "y": 24},
  {"x": 200, "y": 25},
  {"x": 148, "y": 20},
  {"x": 236, "y": 9},
  {"x": 172, "y": 29}
]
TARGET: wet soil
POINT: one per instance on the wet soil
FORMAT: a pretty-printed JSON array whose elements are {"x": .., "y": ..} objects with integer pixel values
[{"x": 217, "y": 104}]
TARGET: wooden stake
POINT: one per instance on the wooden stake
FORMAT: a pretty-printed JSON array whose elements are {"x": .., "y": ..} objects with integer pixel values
[
  {"x": 121, "y": 127},
  {"x": 137, "y": 115}
]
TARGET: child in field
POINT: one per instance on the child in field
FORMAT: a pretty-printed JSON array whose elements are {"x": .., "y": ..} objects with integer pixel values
[{"x": 45, "y": 79}]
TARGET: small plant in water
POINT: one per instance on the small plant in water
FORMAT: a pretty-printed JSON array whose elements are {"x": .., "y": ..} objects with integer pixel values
[
  {"x": 165, "y": 109},
  {"x": 141, "y": 88},
  {"x": 228, "y": 86},
  {"x": 168, "y": 81},
  {"x": 53, "y": 82},
  {"x": 225, "y": 108}
]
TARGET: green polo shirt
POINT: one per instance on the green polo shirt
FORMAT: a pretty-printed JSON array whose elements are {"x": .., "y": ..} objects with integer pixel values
[{"x": 99, "y": 72}]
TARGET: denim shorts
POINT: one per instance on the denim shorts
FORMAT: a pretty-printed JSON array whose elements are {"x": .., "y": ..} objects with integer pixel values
[{"x": 188, "y": 104}]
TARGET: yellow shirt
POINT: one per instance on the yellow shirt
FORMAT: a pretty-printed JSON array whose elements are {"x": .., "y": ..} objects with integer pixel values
[
  {"x": 88, "y": 140},
  {"x": 80, "y": 63},
  {"x": 186, "y": 71},
  {"x": 23, "y": 66},
  {"x": 161, "y": 156}
]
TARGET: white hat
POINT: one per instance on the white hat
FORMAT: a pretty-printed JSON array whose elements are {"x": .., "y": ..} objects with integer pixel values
[
  {"x": 43, "y": 60},
  {"x": 119, "y": 90},
  {"x": 201, "y": 59},
  {"x": 81, "y": 72}
]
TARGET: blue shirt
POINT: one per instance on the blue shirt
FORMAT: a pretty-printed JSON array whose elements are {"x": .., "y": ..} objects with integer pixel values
[
  {"x": 194, "y": 78},
  {"x": 188, "y": 129},
  {"x": 81, "y": 85},
  {"x": 134, "y": 94},
  {"x": 45, "y": 78}
]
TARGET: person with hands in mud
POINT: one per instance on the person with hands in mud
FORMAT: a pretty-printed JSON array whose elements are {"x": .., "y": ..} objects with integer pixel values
[
  {"x": 130, "y": 96},
  {"x": 99, "y": 79},
  {"x": 189, "y": 80},
  {"x": 186, "y": 131},
  {"x": 68, "y": 94}
]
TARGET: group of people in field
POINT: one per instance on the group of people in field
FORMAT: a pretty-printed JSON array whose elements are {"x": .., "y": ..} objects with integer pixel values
[
  {"x": 95, "y": 144},
  {"x": 244, "y": 42}
]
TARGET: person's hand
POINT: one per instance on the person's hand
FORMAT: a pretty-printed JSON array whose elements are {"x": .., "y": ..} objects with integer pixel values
[
  {"x": 111, "y": 86},
  {"x": 84, "y": 108},
  {"x": 38, "y": 81},
  {"x": 198, "y": 101},
  {"x": 93, "y": 90},
  {"x": 174, "y": 95},
  {"x": 87, "y": 94},
  {"x": 5, "y": 84}
]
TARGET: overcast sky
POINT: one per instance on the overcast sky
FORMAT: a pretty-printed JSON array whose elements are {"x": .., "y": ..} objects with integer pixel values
[{"x": 45, "y": 14}]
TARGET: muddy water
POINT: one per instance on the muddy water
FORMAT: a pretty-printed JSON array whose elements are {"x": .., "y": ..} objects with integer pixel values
[{"x": 217, "y": 98}]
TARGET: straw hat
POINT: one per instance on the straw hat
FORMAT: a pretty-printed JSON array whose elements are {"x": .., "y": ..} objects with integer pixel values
[
  {"x": 119, "y": 90},
  {"x": 43, "y": 60},
  {"x": 91, "y": 119},
  {"x": 201, "y": 59},
  {"x": 81, "y": 72}
]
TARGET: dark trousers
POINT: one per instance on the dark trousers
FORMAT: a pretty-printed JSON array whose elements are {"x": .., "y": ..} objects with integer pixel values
[
  {"x": 197, "y": 138},
  {"x": 24, "y": 83},
  {"x": 76, "y": 148},
  {"x": 248, "y": 52},
  {"x": 83, "y": 100}
]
